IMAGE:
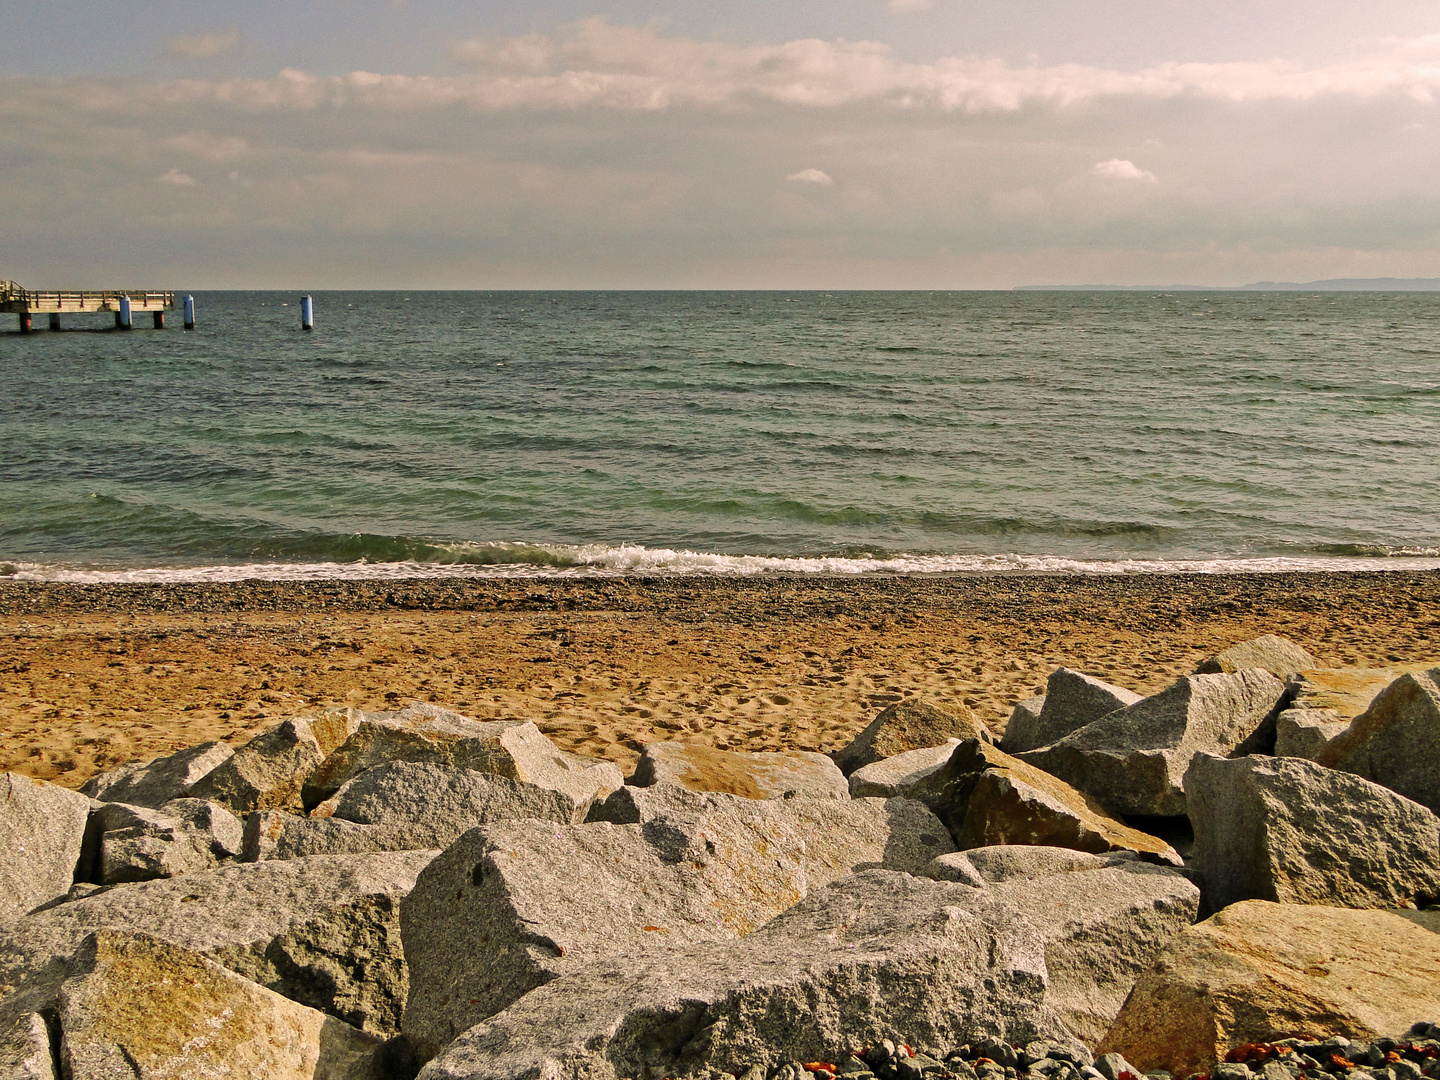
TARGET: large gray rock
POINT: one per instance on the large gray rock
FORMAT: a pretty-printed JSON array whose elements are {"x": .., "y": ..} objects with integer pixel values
[
  {"x": 909, "y": 725},
  {"x": 134, "y": 1006},
  {"x": 545, "y": 900},
  {"x": 986, "y": 797},
  {"x": 1023, "y": 719},
  {"x": 1134, "y": 760},
  {"x": 1292, "y": 831},
  {"x": 1277, "y": 655},
  {"x": 323, "y": 931},
  {"x": 181, "y": 837},
  {"x": 42, "y": 829},
  {"x": 866, "y": 958},
  {"x": 267, "y": 772},
  {"x": 1396, "y": 741},
  {"x": 444, "y": 799},
  {"x": 1006, "y": 861},
  {"x": 154, "y": 783},
  {"x": 872, "y": 956},
  {"x": 403, "y": 806},
  {"x": 894, "y": 776},
  {"x": 1072, "y": 700},
  {"x": 25, "y": 1050},
  {"x": 1102, "y": 927},
  {"x": 512, "y": 749},
  {"x": 782, "y": 775},
  {"x": 1304, "y": 733}
]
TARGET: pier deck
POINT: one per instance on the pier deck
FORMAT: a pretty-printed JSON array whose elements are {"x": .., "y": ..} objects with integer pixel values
[{"x": 18, "y": 300}]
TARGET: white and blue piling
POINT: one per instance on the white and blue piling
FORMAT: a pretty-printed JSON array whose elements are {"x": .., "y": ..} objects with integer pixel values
[
  {"x": 189, "y": 312},
  {"x": 307, "y": 313},
  {"x": 122, "y": 314}
]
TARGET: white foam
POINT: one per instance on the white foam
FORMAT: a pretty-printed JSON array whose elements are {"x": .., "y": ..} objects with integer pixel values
[{"x": 601, "y": 561}]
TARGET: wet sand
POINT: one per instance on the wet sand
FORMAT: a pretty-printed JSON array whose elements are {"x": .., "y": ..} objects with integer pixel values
[{"x": 95, "y": 675}]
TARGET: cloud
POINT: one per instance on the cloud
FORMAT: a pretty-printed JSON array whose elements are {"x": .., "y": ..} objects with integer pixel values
[
  {"x": 1120, "y": 169},
  {"x": 901, "y": 6},
  {"x": 811, "y": 176},
  {"x": 595, "y": 64},
  {"x": 607, "y": 156},
  {"x": 205, "y": 45}
]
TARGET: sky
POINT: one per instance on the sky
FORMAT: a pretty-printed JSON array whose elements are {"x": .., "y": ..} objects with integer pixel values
[{"x": 933, "y": 144}]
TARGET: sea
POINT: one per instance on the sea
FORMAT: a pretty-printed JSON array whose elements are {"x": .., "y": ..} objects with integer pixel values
[{"x": 505, "y": 434}]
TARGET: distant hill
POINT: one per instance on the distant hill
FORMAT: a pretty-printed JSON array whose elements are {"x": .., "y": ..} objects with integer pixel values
[{"x": 1379, "y": 284}]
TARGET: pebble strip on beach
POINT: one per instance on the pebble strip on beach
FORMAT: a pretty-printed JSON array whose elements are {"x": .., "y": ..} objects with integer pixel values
[{"x": 1412, "y": 1056}]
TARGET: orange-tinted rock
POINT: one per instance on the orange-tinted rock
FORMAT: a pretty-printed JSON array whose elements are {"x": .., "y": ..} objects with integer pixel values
[
  {"x": 986, "y": 797},
  {"x": 1259, "y": 971}
]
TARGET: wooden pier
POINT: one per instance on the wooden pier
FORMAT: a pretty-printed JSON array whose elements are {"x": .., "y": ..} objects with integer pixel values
[{"x": 27, "y": 303}]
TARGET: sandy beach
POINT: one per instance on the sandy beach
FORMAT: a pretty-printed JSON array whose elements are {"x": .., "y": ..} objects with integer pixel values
[{"x": 96, "y": 675}]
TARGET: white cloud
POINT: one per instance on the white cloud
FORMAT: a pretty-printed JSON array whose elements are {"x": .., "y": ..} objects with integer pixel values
[
  {"x": 205, "y": 45},
  {"x": 1120, "y": 169},
  {"x": 811, "y": 176},
  {"x": 176, "y": 178}
]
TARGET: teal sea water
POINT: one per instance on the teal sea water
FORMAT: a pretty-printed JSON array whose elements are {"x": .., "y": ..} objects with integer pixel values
[{"x": 616, "y": 432}]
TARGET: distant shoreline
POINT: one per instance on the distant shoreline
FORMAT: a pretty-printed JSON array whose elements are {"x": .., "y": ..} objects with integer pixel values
[{"x": 1326, "y": 285}]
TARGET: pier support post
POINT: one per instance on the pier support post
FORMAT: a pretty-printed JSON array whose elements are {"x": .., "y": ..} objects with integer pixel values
[
  {"x": 122, "y": 317},
  {"x": 159, "y": 320},
  {"x": 54, "y": 320},
  {"x": 25, "y": 325},
  {"x": 307, "y": 313},
  {"x": 189, "y": 312}
]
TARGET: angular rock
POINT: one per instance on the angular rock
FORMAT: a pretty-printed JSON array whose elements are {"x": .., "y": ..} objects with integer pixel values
[
  {"x": 267, "y": 772},
  {"x": 953, "y": 866},
  {"x": 1396, "y": 741},
  {"x": 42, "y": 829},
  {"x": 906, "y": 726},
  {"x": 1102, "y": 929},
  {"x": 1347, "y": 691},
  {"x": 25, "y": 1050},
  {"x": 1258, "y": 971},
  {"x": 1134, "y": 760},
  {"x": 1304, "y": 733},
  {"x": 445, "y": 799},
  {"x": 986, "y": 797},
  {"x": 1003, "y": 862},
  {"x": 894, "y": 776},
  {"x": 704, "y": 875},
  {"x": 331, "y": 727},
  {"x": 1024, "y": 719},
  {"x": 183, "y": 836},
  {"x": 782, "y": 775},
  {"x": 1292, "y": 831},
  {"x": 859, "y": 961},
  {"x": 1072, "y": 700},
  {"x": 869, "y": 957},
  {"x": 1271, "y": 652},
  {"x": 322, "y": 931},
  {"x": 512, "y": 749},
  {"x": 137, "y": 1007},
  {"x": 156, "y": 782}
]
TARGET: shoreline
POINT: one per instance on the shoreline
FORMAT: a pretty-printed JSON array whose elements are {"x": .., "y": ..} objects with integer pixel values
[{"x": 98, "y": 674}]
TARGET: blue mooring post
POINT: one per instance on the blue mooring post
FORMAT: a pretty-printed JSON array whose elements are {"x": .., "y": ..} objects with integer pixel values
[
  {"x": 122, "y": 317},
  {"x": 307, "y": 313},
  {"x": 189, "y": 313}
]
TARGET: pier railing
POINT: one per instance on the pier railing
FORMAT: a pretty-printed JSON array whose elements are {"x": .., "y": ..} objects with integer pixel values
[{"x": 14, "y": 298}]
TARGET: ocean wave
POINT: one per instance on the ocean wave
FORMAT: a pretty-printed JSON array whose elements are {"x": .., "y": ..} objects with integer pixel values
[{"x": 516, "y": 560}]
